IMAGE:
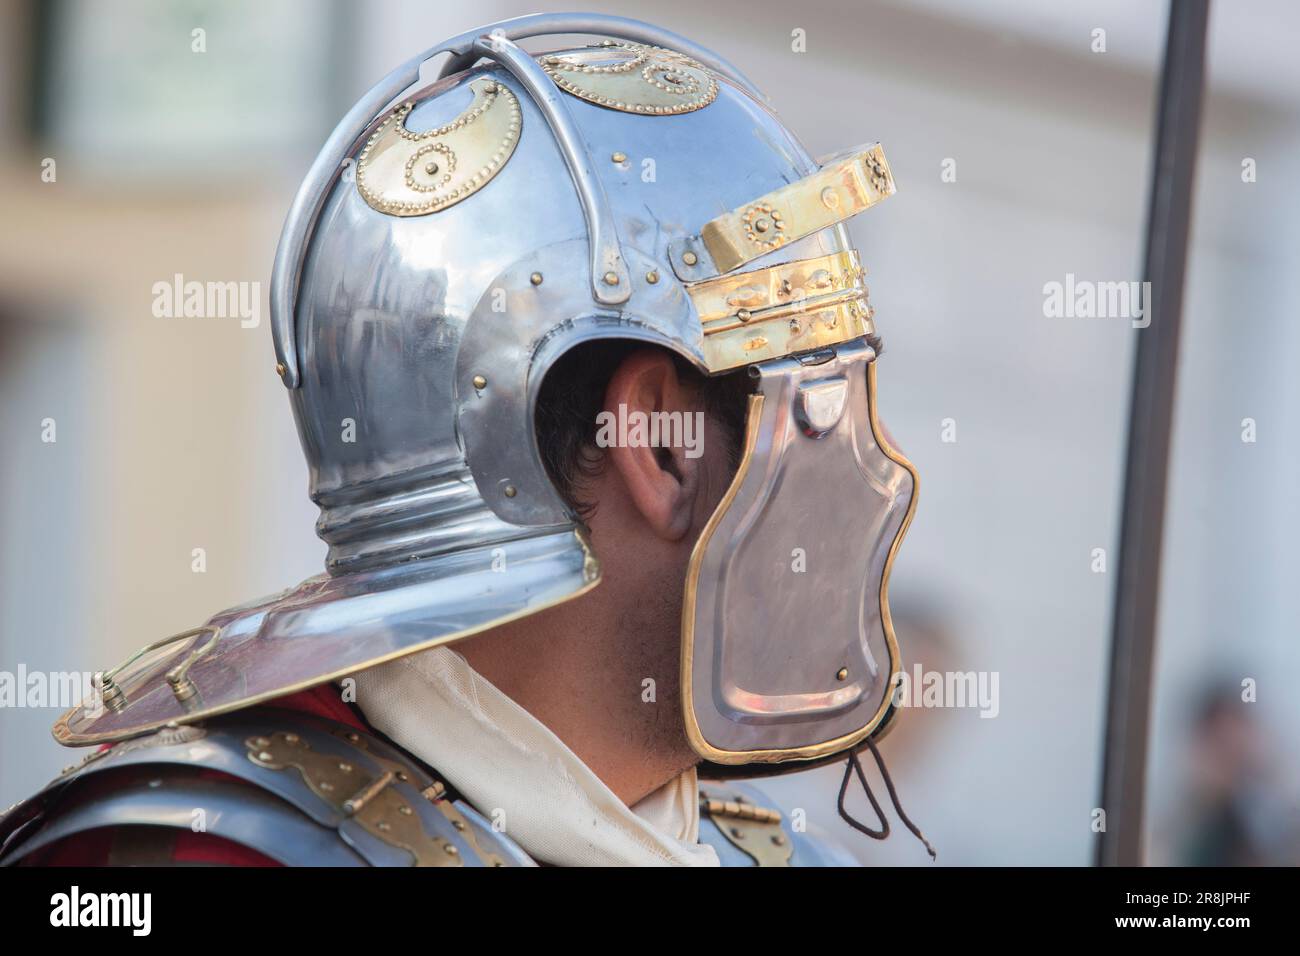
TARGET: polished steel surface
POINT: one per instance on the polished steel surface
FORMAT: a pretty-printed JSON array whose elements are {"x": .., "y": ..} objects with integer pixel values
[
  {"x": 389, "y": 305},
  {"x": 331, "y": 161},
  {"x": 328, "y": 627},
  {"x": 789, "y": 646},
  {"x": 608, "y": 281}
]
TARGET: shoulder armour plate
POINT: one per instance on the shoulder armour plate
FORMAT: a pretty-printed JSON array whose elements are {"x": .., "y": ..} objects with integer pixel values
[{"x": 306, "y": 791}]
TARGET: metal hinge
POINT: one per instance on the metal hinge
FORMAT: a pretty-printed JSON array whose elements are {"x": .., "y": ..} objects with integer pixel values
[{"x": 756, "y": 831}]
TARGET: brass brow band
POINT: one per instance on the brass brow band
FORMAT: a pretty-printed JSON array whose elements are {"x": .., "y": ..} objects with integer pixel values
[{"x": 791, "y": 307}]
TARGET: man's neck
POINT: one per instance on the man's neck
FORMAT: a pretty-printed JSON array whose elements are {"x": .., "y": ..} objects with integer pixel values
[{"x": 592, "y": 697}]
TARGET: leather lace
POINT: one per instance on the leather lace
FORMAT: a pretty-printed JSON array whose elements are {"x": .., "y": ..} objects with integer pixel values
[{"x": 854, "y": 765}]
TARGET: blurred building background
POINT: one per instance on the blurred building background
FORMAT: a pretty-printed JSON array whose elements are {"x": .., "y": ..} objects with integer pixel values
[{"x": 175, "y": 435}]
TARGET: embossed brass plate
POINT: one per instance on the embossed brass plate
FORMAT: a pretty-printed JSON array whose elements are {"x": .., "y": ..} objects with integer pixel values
[
  {"x": 754, "y": 830},
  {"x": 839, "y": 190},
  {"x": 370, "y": 801},
  {"x": 750, "y": 317},
  {"x": 633, "y": 78},
  {"x": 463, "y": 827},
  {"x": 410, "y": 174}
]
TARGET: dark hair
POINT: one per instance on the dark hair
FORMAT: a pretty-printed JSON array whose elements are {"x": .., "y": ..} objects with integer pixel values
[{"x": 573, "y": 394}]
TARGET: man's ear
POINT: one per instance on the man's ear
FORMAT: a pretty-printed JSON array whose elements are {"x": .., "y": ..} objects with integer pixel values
[{"x": 662, "y": 482}]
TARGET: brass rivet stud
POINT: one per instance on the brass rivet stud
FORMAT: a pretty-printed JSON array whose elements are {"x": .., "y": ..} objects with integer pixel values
[
  {"x": 690, "y": 258},
  {"x": 511, "y": 491},
  {"x": 743, "y": 315},
  {"x": 480, "y": 382},
  {"x": 652, "y": 276},
  {"x": 535, "y": 278},
  {"x": 611, "y": 278},
  {"x": 842, "y": 674},
  {"x": 450, "y": 850},
  {"x": 619, "y": 157},
  {"x": 778, "y": 839},
  {"x": 280, "y": 369},
  {"x": 738, "y": 833}
]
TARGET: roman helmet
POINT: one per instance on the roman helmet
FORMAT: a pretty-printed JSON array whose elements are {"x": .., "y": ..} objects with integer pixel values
[{"x": 456, "y": 236}]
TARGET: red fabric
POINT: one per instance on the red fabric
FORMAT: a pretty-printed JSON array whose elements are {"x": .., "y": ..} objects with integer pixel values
[
  {"x": 215, "y": 851},
  {"x": 322, "y": 701},
  {"x": 93, "y": 848}
]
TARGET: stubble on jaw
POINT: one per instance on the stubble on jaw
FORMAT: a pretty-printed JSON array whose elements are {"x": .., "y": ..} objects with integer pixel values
[
  {"x": 649, "y": 639},
  {"x": 649, "y": 645}
]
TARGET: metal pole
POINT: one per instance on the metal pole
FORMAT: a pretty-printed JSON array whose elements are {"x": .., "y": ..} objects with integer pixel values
[{"x": 1151, "y": 417}]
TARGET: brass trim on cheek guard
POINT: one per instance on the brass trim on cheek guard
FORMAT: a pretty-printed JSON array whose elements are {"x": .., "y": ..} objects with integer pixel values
[{"x": 824, "y": 748}]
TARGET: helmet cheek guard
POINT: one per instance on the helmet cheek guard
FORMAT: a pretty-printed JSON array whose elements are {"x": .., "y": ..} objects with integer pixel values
[{"x": 788, "y": 649}]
